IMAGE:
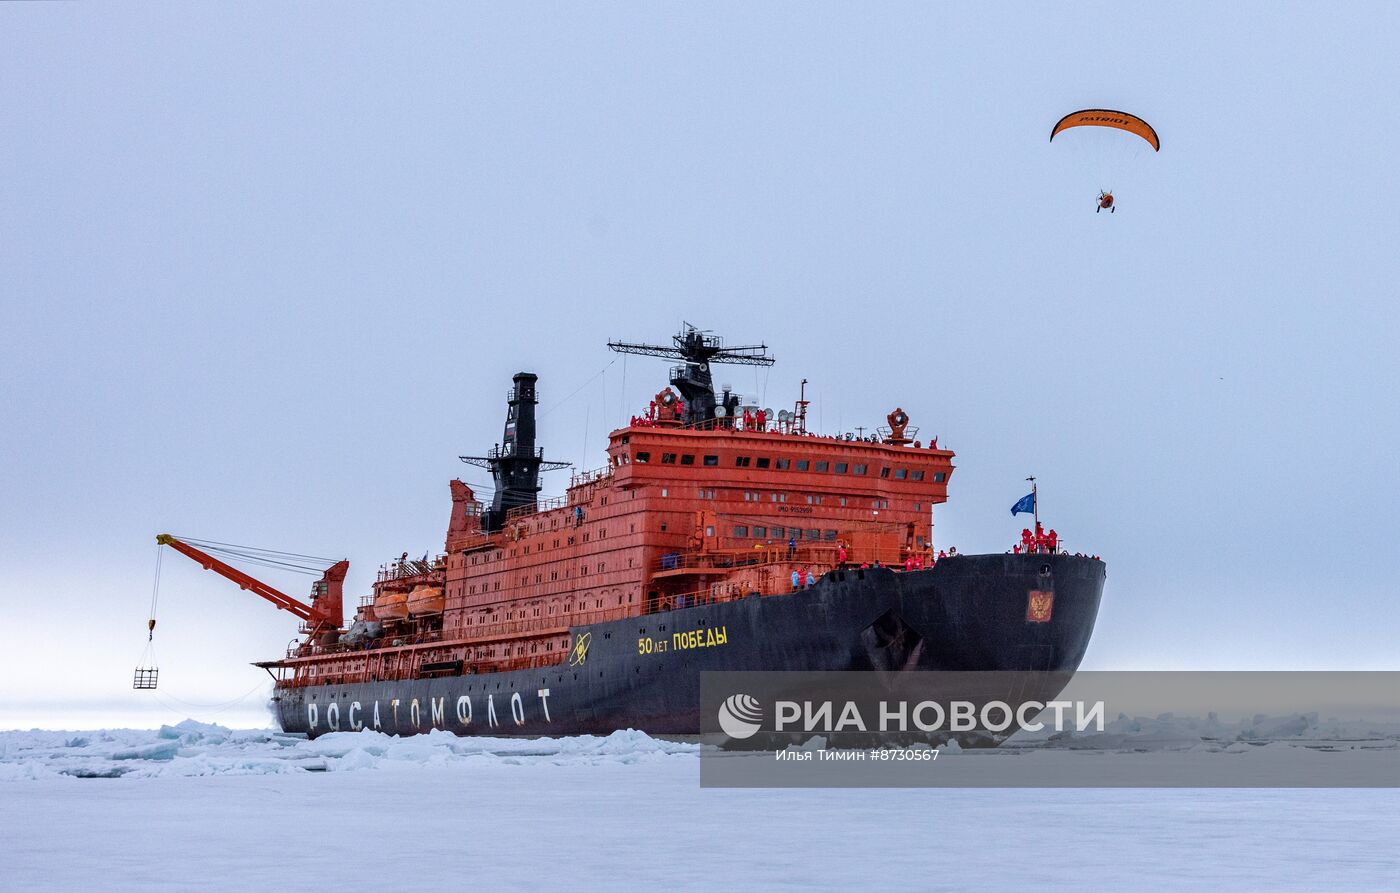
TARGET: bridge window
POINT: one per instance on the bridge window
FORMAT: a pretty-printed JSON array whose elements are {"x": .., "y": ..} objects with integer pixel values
[
  {"x": 823, "y": 466},
  {"x": 687, "y": 459},
  {"x": 901, "y": 473},
  {"x": 939, "y": 477},
  {"x": 741, "y": 531},
  {"x": 784, "y": 464},
  {"x": 859, "y": 469},
  {"x": 829, "y": 536},
  {"x": 885, "y": 472},
  {"x": 760, "y": 531},
  {"x": 917, "y": 474},
  {"x": 644, "y": 457},
  {"x": 763, "y": 461},
  {"x": 712, "y": 460},
  {"x": 742, "y": 461},
  {"x": 668, "y": 458},
  {"x": 814, "y": 534},
  {"x": 803, "y": 465},
  {"x": 841, "y": 467}
]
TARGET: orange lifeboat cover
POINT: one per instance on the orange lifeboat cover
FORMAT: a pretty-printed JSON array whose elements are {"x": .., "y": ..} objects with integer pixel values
[
  {"x": 425, "y": 600},
  {"x": 391, "y": 606}
]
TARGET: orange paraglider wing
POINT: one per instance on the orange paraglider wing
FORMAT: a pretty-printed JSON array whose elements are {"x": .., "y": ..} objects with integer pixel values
[{"x": 1109, "y": 118}]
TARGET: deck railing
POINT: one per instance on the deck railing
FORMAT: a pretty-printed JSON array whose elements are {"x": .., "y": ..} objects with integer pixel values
[{"x": 404, "y": 569}]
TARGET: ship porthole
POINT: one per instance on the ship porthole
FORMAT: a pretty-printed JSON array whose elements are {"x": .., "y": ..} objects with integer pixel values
[{"x": 1045, "y": 570}]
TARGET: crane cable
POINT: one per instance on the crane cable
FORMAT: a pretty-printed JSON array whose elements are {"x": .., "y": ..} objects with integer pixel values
[
  {"x": 146, "y": 666},
  {"x": 155, "y": 597},
  {"x": 295, "y": 562}
]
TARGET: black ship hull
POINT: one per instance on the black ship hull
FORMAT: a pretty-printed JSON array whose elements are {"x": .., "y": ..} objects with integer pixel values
[{"x": 969, "y": 613}]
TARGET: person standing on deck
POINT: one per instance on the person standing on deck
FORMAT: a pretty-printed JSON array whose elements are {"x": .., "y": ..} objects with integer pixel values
[{"x": 796, "y": 580}]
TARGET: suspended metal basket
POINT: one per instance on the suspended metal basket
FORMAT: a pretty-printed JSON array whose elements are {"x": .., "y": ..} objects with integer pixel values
[{"x": 145, "y": 678}]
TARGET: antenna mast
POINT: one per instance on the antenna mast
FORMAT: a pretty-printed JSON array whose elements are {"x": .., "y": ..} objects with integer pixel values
[{"x": 697, "y": 350}]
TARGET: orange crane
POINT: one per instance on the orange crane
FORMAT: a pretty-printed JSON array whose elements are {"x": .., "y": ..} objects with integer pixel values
[{"x": 324, "y": 614}]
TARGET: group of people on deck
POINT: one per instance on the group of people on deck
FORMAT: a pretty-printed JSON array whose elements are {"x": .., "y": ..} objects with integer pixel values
[
  {"x": 676, "y": 412},
  {"x": 1040, "y": 542},
  {"x": 913, "y": 561},
  {"x": 754, "y": 420}
]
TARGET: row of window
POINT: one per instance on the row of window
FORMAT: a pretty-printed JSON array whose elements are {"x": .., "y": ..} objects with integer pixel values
[
  {"x": 569, "y": 606},
  {"x": 540, "y": 547},
  {"x": 793, "y": 533},
  {"x": 820, "y": 465},
  {"x": 812, "y": 498},
  {"x": 539, "y": 578}
]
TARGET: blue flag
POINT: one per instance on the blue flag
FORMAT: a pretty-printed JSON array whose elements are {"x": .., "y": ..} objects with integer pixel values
[{"x": 1027, "y": 505}]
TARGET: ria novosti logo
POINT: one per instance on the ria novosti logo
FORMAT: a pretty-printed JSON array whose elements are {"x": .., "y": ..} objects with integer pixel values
[{"x": 740, "y": 716}]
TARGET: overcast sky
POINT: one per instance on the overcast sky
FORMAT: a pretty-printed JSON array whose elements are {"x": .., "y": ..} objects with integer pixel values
[{"x": 266, "y": 271}]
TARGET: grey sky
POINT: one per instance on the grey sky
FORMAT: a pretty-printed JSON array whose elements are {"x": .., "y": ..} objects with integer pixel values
[{"x": 265, "y": 271}]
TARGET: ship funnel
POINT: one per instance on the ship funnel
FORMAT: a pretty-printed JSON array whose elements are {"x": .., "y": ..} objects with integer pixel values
[{"x": 516, "y": 464}]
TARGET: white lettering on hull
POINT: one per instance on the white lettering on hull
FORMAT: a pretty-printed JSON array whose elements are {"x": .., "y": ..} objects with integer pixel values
[{"x": 463, "y": 713}]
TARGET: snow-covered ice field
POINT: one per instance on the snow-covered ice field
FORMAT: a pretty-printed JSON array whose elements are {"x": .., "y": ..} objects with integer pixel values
[{"x": 202, "y": 807}]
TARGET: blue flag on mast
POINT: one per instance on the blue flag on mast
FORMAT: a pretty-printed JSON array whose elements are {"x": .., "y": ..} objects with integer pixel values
[{"x": 1027, "y": 505}]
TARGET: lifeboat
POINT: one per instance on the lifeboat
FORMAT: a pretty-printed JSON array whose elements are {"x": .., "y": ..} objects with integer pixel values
[
  {"x": 391, "y": 606},
  {"x": 425, "y": 600}
]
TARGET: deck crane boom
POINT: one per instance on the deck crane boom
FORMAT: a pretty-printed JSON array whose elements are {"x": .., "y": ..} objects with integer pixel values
[{"x": 324, "y": 614}]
